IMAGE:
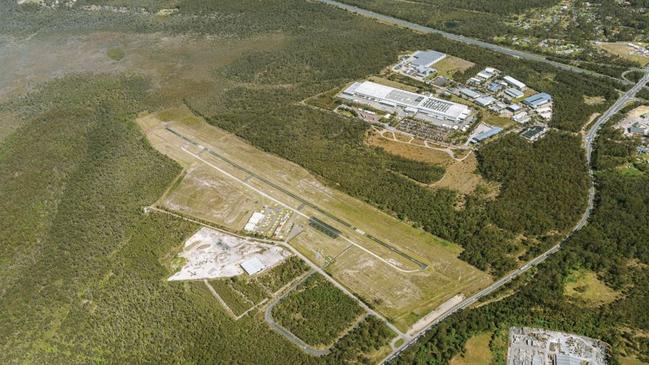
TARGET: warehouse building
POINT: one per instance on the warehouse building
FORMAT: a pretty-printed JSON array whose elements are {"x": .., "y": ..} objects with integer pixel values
[
  {"x": 514, "y": 93},
  {"x": 515, "y": 83},
  {"x": 426, "y": 58},
  {"x": 538, "y": 100},
  {"x": 439, "y": 112},
  {"x": 419, "y": 65},
  {"x": 479, "y": 137}
]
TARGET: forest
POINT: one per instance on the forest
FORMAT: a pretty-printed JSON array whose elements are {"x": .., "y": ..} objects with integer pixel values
[
  {"x": 316, "y": 311},
  {"x": 77, "y": 174},
  {"x": 85, "y": 268},
  {"x": 615, "y": 245}
]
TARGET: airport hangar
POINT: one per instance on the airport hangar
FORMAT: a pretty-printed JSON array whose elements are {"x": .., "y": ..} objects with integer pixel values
[{"x": 436, "y": 111}]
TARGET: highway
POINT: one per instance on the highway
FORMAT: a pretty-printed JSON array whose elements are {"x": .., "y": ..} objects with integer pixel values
[
  {"x": 588, "y": 140},
  {"x": 466, "y": 40}
]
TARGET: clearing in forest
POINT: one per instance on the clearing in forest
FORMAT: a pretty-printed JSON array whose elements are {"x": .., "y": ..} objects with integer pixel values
[
  {"x": 476, "y": 351},
  {"x": 584, "y": 286},
  {"x": 402, "y": 271}
]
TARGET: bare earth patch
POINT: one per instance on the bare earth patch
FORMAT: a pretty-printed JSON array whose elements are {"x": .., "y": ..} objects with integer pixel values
[
  {"x": 422, "y": 154},
  {"x": 211, "y": 254},
  {"x": 451, "y": 64},
  {"x": 594, "y": 100}
]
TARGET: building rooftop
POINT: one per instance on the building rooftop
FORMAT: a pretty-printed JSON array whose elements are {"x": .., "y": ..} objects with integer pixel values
[
  {"x": 515, "y": 93},
  {"x": 486, "y": 134},
  {"x": 538, "y": 99},
  {"x": 426, "y": 58},
  {"x": 253, "y": 266},
  {"x": 512, "y": 81},
  {"x": 485, "y": 100},
  {"x": 470, "y": 93},
  {"x": 393, "y": 97}
]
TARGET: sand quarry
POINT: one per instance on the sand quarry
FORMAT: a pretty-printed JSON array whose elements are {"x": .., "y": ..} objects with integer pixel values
[{"x": 211, "y": 254}]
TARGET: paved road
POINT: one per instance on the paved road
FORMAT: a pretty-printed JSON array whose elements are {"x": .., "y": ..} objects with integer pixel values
[
  {"x": 466, "y": 40},
  {"x": 588, "y": 140},
  {"x": 268, "y": 317}
]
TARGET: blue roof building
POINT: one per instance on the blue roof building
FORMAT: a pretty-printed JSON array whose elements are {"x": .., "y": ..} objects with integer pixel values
[
  {"x": 494, "y": 87},
  {"x": 486, "y": 134},
  {"x": 538, "y": 100}
]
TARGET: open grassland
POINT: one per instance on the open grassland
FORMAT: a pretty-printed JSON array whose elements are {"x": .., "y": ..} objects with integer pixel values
[
  {"x": 584, "y": 286},
  {"x": 444, "y": 276},
  {"x": 451, "y": 64},
  {"x": 476, "y": 351},
  {"x": 629, "y": 360},
  {"x": 180, "y": 66},
  {"x": 623, "y": 50},
  {"x": 408, "y": 150},
  {"x": 203, "y": 194},
  {"x": 317, "y": 312},
  {"x": 403, "y": 298}
]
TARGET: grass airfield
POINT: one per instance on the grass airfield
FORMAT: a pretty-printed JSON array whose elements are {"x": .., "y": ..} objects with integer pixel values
[{"x": 243, "y": 178}]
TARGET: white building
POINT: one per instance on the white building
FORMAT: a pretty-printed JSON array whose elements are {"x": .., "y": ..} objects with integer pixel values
[
  {"x": 253, "y": 266},
  {"x": 422, "y": 107},
  {"x": 253, "y": 222},
  {"x": 515, "y": 83}
]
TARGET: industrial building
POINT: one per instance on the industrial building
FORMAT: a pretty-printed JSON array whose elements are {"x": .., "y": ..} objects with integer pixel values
[
  {"x": 485, "y": 101},
  {"x": 515, "y": 83},
  {"x": 426, "y": 58},
  {"x": 538, "y": 100},
  {"x": 439, "y": 112},
  {"x": 486, "y": 133},
  {"x": 253, "y": 266},
  {"x": 469, "y": 93},
  {"x": 419, "y": 65},
  {"x": 514, "y": 93},
  {"x": 534, "y": 133}
]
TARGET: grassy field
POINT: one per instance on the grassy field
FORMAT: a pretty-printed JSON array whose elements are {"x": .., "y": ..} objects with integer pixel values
[
  {"x": 623, "y": 50},
  {"x": 476, "y": 351},
  {"x": 375, "y": 281},
  {"x": 463, "y": 177},
  {"x": 408, "y": 150},
  {"x": 631, "y": 361},
  {"x": 586, "y": 287},
  {"x": 202, "y": 193},
  {"x": 451, "y": 64}
]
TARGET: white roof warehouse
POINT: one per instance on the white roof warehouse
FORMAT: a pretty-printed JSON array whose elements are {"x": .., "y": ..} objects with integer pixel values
[{"x": 388, "y": 98}]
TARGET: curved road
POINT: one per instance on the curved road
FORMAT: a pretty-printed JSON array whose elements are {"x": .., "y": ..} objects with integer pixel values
[
  {"x": 466, "y": 40},
  {"x": 588, "y": 140},
  {"x": 268, "y": 317}
]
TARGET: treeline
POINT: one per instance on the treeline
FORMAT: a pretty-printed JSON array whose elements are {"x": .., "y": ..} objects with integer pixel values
[{"x": 615, "y": 244}]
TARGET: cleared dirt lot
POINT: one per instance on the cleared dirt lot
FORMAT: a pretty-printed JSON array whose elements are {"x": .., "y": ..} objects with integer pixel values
[
  {"x": 368, "y": 268},
  {"x": 202, "y": 193},
  {"x": 460, "y": 175}
]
